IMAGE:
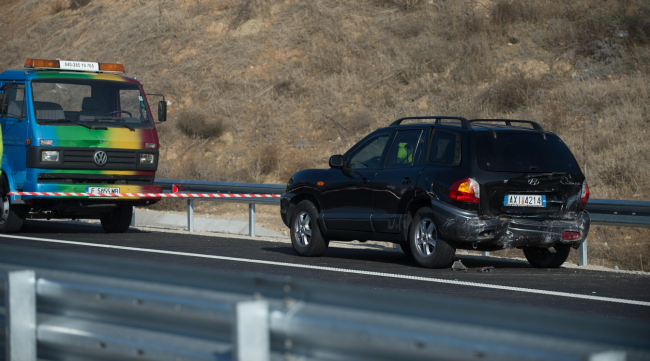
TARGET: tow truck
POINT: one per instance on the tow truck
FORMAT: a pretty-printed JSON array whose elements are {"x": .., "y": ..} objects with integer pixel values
[{"x": 75, "y": 133}]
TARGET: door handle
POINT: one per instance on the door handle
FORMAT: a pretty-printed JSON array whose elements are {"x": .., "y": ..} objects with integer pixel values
[
  {"x": 406, "y": 180},
  {"x": 363, "y": 180}
]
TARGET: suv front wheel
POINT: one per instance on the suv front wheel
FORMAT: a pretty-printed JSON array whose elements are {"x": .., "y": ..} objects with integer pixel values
[
  {"x": 306, "y": 237},
  {"x": 427, "y": 247},
  {"x": 543, "y": 258}
]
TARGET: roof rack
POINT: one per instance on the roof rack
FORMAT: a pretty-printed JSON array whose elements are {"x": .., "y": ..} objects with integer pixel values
[
  {"x": 464, "y": 122},
  {"x": 509, "y": 122}
]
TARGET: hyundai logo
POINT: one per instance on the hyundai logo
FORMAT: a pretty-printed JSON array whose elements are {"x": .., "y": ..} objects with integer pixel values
[
  {"x": 533, "y": 181},
  {"x": 101, "y": 158}
]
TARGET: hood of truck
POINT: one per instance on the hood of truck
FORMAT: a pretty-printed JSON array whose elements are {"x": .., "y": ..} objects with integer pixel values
[{"x": 80, "y": 137}]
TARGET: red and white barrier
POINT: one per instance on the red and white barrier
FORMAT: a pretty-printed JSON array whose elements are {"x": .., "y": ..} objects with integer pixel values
[{"x": 145, "y": 195}]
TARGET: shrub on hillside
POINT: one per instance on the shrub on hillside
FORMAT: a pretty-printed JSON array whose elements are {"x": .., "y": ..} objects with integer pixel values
[
  {"x": 514, "y": 92},
  {"x": 197, "y": 123}
]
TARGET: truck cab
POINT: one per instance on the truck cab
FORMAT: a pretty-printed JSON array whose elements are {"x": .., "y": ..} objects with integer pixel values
[{"x": 75, "y": 133}]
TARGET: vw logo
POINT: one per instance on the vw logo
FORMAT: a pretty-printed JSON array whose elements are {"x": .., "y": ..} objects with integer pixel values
[
  {"x": 533, "y": 181},
  {"x": 100, "y": 158}
]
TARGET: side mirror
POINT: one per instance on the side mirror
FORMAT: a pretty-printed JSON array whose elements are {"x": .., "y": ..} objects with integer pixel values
[
  {"x": 336, "y": 161},
  {"x": 162, "y": 111}
]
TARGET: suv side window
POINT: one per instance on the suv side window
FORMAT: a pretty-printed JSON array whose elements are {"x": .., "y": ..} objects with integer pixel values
[
  {"x": 405, "y": 148},
  {"x": 369, "y": 154},
  {"x": 15, "y": 101},
  {"x": 445, "y": 148}
]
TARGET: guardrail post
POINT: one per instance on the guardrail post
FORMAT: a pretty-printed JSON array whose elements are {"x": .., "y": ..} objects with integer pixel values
[
  {"x": 251, "y": 334},
  {"x": 20, "y": 317},
  {"x": 133, "y": 217},
  {"x": 190, "y": 215},
  {"x": 582, "y": 254},
  {"x": 251, "y": 219}
]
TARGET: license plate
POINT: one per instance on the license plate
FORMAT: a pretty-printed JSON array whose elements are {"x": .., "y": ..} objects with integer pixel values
[
  {"x": 104, "y": 190},
  {"x": 524, "y": 200}
]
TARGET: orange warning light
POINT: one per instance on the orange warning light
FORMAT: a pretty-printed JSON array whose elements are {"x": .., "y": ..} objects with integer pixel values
[
  {"x": 40, "y": 63},
  {"x": 111, "y": 67},
  {"x": 320, "y": 183}
]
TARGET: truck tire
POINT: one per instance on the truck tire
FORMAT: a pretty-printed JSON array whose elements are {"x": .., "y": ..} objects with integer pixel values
[
  {"x": 427, "y": 247},
  {"x": 119, "y": 220},
  {"x": 11, "y": 216},
  {"x": 306, "y": 237},
  {"x": 543, "y": 258}
]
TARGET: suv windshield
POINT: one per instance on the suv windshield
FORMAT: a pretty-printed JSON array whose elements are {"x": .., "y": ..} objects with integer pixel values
[
  {"x": 523, "y": 153},
  {"x": 96, "y": 103}
]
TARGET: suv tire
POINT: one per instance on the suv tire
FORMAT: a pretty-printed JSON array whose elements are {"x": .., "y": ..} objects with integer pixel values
[
  {"x": 427, "y": 247},
  {"x": 543, "y": 258},
  {"x": 11, "y": 216},
  {"x": 306, "y": 237},
  {"x": 119, "y": 220}
]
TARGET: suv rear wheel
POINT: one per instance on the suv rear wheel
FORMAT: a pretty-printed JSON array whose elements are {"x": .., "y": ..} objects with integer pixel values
[
  {"x": 306, "y": 238},
  {"x": 427, "y": 247},
  {"x": 543, "y": 258}
]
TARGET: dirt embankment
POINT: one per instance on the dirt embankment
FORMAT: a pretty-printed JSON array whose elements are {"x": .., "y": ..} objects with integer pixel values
[{"x": 262, "y": 88}]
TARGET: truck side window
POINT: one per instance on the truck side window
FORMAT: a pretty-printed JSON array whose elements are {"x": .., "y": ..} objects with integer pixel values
[
  {"x": 16, "y": 101},
  {"x": 404, "y": 149},
  {"x": 445, "y": 148}
]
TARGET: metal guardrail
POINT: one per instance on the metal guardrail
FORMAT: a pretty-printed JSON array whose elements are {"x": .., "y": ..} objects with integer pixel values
[
  {"x": 605, "y": 212},
  {"x": 188, "y": 186},
  {"x": 60, "y": 306}
]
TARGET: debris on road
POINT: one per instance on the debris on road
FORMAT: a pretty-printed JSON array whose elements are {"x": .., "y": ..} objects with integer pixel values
[
  {"x": 487, "y": 269},
  {"x": 459, "y": 266}
]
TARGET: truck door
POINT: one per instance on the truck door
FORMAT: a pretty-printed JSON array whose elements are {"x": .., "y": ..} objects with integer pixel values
[{"x": 13, "y": 119}]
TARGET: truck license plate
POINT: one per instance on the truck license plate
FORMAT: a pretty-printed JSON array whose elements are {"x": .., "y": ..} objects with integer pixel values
[
  {"x": 524, "y": 200},
  {"x": 104, "y": 190}
]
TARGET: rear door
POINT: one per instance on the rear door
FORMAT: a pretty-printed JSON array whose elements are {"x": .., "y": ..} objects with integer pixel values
[
  {"x": 348, "y": 196},
  {"x": 528, "y": 175},
  {"x": 395, "y": 183}
]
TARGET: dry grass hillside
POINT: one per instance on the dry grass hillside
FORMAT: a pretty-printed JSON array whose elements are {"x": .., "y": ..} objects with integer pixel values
[{"x": 262, "y": 88}]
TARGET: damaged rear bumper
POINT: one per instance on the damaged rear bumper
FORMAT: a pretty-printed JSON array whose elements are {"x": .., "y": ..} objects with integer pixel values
[{"x": 459, "y": 225}]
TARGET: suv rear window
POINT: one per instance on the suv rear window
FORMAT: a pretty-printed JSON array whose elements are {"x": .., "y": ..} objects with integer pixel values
[{"x": 521, "y": 153}]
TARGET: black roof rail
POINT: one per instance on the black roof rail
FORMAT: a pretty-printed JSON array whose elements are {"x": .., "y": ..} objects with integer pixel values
[
  {"x": 509, "y": 122},
  {"x": 464, "y": 122}
]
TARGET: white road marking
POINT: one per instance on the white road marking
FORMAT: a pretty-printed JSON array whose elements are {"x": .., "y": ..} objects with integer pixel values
[{"x": 345, "y": 270}]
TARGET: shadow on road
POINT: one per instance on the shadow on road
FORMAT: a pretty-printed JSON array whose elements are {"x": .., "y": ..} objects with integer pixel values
[
  {"x": 68, "y": 227},
  {"x": 364, "y": 255}
]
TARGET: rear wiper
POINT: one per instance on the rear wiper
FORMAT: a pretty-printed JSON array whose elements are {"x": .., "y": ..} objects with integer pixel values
[
  {"x": 76, "y": 122},
  {"x": 118, "y": 122}
]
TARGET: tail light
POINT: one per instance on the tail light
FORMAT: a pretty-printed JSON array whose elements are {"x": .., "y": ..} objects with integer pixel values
[
  {"x": 584, "y": 193},
  {"x": 570, "y": 235},
  {"x": 465, "y": 190}
]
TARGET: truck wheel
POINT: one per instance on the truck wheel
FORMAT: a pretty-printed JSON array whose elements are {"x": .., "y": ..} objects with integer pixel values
[
  {"x": 119, "y": 220},
  {"x": 11, "y": 216},
  {"x": 543, "y": 258},
  {"x": 306, "y": 237},
  {"x": 427, "y": 247}
]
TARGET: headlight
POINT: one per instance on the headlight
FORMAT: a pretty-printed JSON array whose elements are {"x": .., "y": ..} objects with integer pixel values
[
  {"x": 146, "y": 158},
  {"x": 150, "y": 146},
  {"x": 50, "y": 156}
]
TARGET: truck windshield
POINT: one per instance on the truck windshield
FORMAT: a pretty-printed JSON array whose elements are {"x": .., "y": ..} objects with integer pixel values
[
  {"x": 96, "y": 103},
  {"x": 524, "y": 153}
]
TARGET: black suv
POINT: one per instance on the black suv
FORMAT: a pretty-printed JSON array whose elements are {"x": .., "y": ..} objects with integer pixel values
[{"x": 483, "y": 184}]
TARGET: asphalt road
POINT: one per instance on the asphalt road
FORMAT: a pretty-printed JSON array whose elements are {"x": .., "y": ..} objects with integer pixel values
[{"x": 377, "y": 269}]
